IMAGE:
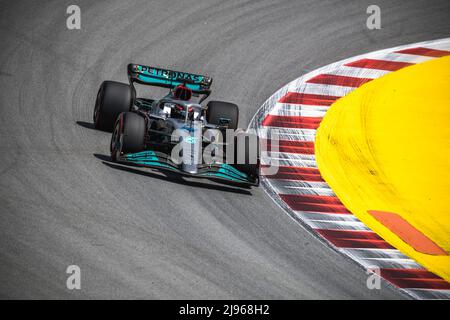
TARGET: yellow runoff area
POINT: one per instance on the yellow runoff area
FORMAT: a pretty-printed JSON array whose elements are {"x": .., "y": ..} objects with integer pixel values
[{"x": 386, "y": 147}]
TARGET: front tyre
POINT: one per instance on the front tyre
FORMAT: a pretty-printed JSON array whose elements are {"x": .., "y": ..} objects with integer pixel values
[
  {"x": 219, "y": 113},
  {"x": 112, "y": 99},
  {"x": 128, "y": 135},
  {"x": 247, "y": 154}
]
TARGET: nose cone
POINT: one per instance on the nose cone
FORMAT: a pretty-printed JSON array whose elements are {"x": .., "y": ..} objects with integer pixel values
[
  {"x": 189, "y": 168},
  {"x": 192, "y": 151}
]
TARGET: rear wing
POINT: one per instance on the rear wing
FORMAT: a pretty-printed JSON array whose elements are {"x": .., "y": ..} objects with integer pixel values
[{"x": 168, "y": 78}]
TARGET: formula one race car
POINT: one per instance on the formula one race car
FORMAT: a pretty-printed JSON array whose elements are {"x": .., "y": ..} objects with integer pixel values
[{"x": 176, "y": 132}]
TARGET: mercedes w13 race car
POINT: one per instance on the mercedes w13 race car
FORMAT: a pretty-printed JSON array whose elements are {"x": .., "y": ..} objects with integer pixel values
[{"x": 176, "y": 132}]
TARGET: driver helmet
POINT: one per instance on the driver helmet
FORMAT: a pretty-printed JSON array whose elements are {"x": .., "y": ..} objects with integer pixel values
[{"x": 182, "y": 92}]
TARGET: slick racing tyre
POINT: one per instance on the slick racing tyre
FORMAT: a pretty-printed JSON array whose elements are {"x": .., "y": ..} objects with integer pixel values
[
  {"x": 113, "y": 98},
  {"x": 219, "y": 112},
  {"x": 128, "y": 135}
]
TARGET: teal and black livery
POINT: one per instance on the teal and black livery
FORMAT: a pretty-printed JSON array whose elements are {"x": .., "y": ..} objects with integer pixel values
[
  {"x": 146, "y": 131},
  {"x": 159, "y": 160}
]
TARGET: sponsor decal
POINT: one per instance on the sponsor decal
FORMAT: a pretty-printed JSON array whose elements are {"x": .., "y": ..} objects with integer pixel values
[{"x": 168, "y": 74}]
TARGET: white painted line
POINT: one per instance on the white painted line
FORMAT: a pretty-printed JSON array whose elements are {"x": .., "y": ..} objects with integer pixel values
[
  {"x": 337, "y": 225},
  {"x": 429, "y": 294},
  {"x": 288, "y": 133},
  {"x": 327, "y": 216},
  {"x": 402, "y": 57},
  {"x": 323, "y": 89},
  {"x": 288, "y": 162},
  {"x": 297, "y": 112},
  {"x": 358, "y": 72},
  {"x": 301, "y": 187}
]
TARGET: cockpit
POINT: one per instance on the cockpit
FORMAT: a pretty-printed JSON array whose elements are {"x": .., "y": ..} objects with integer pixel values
[{"x": 181, "y": 110}]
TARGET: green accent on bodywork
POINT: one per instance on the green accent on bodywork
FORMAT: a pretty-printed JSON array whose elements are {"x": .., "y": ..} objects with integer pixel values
[
  {"x": 149, "y": 158},
  {"x": 169, "y": 78},
  {"x": 221, "y": 175},
  {"x": 226, "y": 167},
  {"x": 143, "y": 104},
  {"x": 154, "y": 164},
  {"x": 190, "y": 140},
  {"x": 142, "y": 156},
  {"x": 228, "y": 172},
  {"x": 166, "y": 74},
  {"x": 152, "y": 75},
  {"x": 169, "y": 82}
]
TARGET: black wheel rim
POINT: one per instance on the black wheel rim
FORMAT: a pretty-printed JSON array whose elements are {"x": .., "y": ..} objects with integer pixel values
[{"x": 116, "y": 146}]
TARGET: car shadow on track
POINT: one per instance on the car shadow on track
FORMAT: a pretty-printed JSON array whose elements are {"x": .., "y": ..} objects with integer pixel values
[
  {"x": 89, "y": 125},
  {"x": 171, "y": 177},
  {"x": 84, "y": 124}
]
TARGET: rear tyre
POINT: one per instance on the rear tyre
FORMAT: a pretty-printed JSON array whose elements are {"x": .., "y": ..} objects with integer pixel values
[
  {"x": 128, "y": 135},
  {"x": 113, "y": 98},
  {"x": 219, "y": 111},
  {"x": 247, "y": 154}
]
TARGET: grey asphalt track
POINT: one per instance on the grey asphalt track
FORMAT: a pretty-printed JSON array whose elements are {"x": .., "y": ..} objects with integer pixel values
[{"x": 137, "y": 233}]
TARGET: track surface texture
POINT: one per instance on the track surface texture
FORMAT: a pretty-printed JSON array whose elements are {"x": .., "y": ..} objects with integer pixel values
[{"x": 142, "y": 234}]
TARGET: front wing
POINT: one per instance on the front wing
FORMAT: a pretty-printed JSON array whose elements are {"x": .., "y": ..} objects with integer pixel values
[{"x": 160, "y": 160}]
